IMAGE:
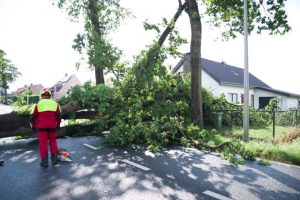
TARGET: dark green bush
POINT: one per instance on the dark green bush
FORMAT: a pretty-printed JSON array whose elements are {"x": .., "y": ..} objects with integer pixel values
[{"x": 287, "y": 118}]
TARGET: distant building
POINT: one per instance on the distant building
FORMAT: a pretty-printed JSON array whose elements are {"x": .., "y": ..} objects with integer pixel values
[
  {"x": 61, "y": 88},
  {"x": 221, "y": 78},
  {"x": 36, "y": 89}
]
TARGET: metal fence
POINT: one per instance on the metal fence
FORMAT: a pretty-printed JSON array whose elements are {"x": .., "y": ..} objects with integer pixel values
[{"x": 257, "y": 118}]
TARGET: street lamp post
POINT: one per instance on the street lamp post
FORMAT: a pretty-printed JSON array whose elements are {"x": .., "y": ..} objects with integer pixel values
[{"x": 246, "y": 76}]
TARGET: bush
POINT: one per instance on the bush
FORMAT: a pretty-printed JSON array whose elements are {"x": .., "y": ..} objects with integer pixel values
[
  {"x": 285, "y": 118},
  {"x": 264, "y": 162},
  {"x": 259, "y": 119}
]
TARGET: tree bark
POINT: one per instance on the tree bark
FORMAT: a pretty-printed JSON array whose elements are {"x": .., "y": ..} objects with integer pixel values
[
  {"x": 99, "y": 74},
  {"x": 5, "y": 94},
  {"x": 93, "y": 15},
  {"x": 12, "y": 124},
  {"x": 167, "y": 31},
  {"x": 164, "y": 35},
  {"x": 196, "y": 65}
]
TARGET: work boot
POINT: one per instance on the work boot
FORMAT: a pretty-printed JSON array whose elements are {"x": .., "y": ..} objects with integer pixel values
[
  {"x": 1, "y": 162},
  {"x": 44, "y": 162},
  {"x": 54, "y": 159}
]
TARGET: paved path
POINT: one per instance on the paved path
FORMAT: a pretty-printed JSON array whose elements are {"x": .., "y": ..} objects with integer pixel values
[{"x": 100, "y": 172}]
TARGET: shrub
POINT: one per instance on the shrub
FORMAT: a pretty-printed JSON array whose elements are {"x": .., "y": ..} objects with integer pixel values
[
  {"x": 264, "y": 162},
  {"x": 286, "y": 118}
]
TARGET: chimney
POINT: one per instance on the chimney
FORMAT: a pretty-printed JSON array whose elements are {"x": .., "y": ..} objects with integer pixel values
[{"x": 223, "y": 63}]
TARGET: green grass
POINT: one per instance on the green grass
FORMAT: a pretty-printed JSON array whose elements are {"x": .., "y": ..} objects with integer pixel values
[
  {"x": 261, "y": 133},
  {"x": 21, "y": 137},
  {"x": 288, "y": 152},
  {"x": 266, "y": 148},
  {"x": 264, "y": 162}
]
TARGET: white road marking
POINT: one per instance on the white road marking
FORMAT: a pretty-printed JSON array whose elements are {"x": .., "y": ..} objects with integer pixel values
[
  {"x": 136, "y": 165},
  {"x": 91, "y": 147},
  {"x": 216, "y": 195}
]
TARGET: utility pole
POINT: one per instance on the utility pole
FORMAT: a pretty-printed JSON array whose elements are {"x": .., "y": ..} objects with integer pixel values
[{"x": 246, "y": 76}]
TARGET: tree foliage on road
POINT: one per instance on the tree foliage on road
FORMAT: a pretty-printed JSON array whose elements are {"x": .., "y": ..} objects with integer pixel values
[
  {"x": 8, "y": 72},
  {"x": 100, "y": 18}
]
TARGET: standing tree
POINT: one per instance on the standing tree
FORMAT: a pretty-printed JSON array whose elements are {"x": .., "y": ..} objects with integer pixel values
[
  {"x": 8, "y": 73},
  {"x": 228, "y": 16},
  {"x": 100, "y": 17},
  {"x": 196, "y": 68}
]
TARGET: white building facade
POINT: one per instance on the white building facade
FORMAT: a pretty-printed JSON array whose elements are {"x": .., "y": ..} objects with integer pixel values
[{"x": 220, "y": 78}]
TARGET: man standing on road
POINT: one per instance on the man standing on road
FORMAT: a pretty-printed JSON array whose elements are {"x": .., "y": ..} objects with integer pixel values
[{"x": 45, "y": 119}]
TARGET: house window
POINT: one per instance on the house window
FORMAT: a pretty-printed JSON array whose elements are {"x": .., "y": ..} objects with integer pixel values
[
  {"x": 251, "y": 100},
  {"x": 233, "y": 97},
  {"x": 242, "y": 98}
]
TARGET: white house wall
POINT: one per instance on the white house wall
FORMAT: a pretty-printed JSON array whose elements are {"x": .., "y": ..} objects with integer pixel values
[
  {"x": 285, "y": 103},
  {"x": 262, "y": 93},
  {"x": 217, "y": 89},
  {"x": 210, "y": 84},
  {"x": 207, "y": 81},
  {"x": 180, "y": 70},
  {"x": 293, "y": 103},
  {"x": 226, "y": 89}
]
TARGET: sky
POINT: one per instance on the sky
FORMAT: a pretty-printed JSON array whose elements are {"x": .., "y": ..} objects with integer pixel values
[{"x": 37, "y": 37}]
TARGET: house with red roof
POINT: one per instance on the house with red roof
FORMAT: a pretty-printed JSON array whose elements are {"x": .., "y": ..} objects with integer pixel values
[
  {"x": 63, "y": 85},
  {"x": 35, "y": 88}
]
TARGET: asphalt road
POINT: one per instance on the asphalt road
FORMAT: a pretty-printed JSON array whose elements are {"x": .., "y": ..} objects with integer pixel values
[
  {"x": 101, "y": 172},
  {"x": 5, "y": 109}
]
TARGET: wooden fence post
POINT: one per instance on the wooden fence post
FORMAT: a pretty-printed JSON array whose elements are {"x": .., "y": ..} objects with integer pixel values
[{"x": 273, "y": 117}]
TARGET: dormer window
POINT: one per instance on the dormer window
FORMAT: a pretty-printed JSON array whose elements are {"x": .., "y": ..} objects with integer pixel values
[{"x": 236, "y": 74}]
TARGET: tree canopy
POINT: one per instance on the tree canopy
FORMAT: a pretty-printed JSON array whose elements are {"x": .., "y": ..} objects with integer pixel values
[
  {"x": 150, "y": 105},
  {"x": 263, "y": 15},
  {"x": 100, "y": 18},
  {"x": 8, "y": 72}
]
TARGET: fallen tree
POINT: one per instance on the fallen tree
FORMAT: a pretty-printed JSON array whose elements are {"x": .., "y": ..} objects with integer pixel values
[{"x": 15, "y": 124}]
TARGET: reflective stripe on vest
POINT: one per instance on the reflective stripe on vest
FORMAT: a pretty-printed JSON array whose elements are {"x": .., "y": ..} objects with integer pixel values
[{"x": 46, "y": 105}]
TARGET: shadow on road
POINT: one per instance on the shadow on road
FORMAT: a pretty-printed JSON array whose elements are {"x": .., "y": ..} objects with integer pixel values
[{"x": 176, "y": 173}]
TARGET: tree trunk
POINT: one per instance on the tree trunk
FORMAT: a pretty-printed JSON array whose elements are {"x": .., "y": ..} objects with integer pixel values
[
  {"x": 5, "y": 94},
  {"x": 11, "y": 124},
  {"x": 167, "y": 31},
  {"x": 93, "y": 15},
  {"x": 99, "y": 76},
  {"x": 152, "y": 53},
  {"x": 196, "y": 65}
]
